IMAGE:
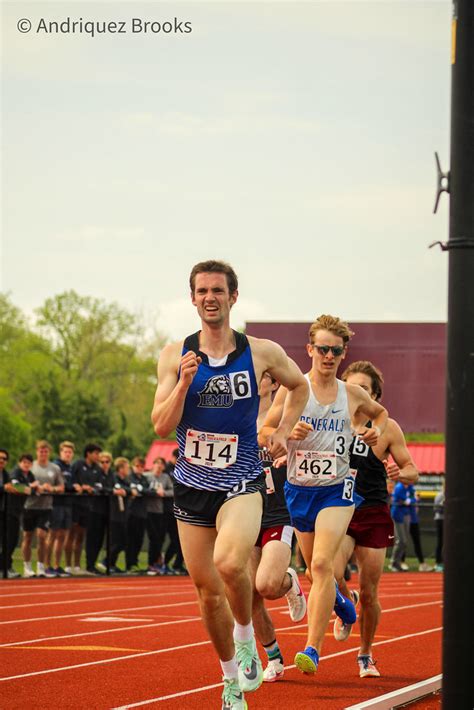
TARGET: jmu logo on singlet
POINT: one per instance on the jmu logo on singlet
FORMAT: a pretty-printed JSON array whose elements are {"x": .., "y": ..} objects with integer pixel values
[{"x": 222, "y": 390}]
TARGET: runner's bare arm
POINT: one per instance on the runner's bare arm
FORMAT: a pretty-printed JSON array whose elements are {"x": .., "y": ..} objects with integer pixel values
[
  {"x": 270, "y": 357},
  {"x": 362, "y": 408},
  {"x": 403, "y": 468},
  {"x": 273, "y": 417},
  {"x": 171, "y": 391}
]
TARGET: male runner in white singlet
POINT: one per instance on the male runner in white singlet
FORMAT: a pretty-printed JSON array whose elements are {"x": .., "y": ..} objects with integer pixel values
[
  {"x": 208, "y": 391},
  {"x": 320, "y": 487}
]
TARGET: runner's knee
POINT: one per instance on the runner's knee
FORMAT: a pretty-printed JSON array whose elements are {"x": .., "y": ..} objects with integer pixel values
[
  {"x": 229, "y": 565},
  {"x": 321, "y": 567},
  {"x": 269, "y": 587}
]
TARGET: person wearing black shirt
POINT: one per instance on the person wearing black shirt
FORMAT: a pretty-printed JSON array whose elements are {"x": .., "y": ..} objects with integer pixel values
[
  {"x": 370, "y": 531},
  {"x": 19, "y": 484},
  {"x": 98, "y": 514},
  {"x": 61, "y": 517},
  {"x": 137, "y": 513},
  {"x": 118, "y": 513},
  {"x": 85, "y": 473},
  {"x": 272, "y": 576}
]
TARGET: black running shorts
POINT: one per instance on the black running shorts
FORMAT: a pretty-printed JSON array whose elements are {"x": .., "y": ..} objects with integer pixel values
[{"x": 199, "y": 507}]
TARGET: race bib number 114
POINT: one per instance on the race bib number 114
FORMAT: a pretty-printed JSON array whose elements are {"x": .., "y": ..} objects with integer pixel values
[{"x": 212, "y": 450}]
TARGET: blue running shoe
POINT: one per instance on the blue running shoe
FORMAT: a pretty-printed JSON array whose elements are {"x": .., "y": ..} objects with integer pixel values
[
  {"x": 307, "y": 661},
  {"x": 344, "y": 608}
]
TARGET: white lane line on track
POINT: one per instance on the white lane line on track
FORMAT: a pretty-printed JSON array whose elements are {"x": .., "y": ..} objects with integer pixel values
[
  {"x": 92, "y": 588},
  {"x": 104, "y": 611},
  {"x": 174, "y": 648},
  {"x": 99, "y": 599},
  {"x": 80, "y": 600},
  {"x": 101, "y": 631},
  {"x": 323, "y": 658},
  {"x": 167, "y": 623}
]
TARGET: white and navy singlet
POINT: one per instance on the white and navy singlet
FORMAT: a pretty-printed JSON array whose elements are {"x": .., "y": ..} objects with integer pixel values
[
  {"x": 322, "y": 458},
  {"x": 217, "y": 434}
]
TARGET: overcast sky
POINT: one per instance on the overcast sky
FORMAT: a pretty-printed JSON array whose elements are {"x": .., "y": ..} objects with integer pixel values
[{"x": 293, "y": 139}]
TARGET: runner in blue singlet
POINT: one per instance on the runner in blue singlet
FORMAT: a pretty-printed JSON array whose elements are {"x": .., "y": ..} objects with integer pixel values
[{"x": 207, "y": 391}]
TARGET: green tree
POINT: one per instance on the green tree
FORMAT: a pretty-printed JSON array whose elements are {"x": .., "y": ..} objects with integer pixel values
[{"x": 15, "y": 430}]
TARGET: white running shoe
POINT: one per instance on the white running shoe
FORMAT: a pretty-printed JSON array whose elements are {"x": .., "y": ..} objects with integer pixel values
[
  {"x": 274, "y": 671},
  {"x": 295, "y": 598},
  {"x": 68, "y": 570},
  {"x": 404, "y": 566},
  {"x": 367, "y": 667},
  {"x": 341, "y": 630},
  {"x": 76, "y": 570},
  {"x": 28, "y": 573},
  {"x": 425, "y": 567}
]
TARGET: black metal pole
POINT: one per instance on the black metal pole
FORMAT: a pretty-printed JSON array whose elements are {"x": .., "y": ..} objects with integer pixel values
[{"x": 458, "y": 640}]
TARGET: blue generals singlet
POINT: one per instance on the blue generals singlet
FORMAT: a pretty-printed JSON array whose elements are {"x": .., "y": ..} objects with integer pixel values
[{"x": 217, "y": 434}]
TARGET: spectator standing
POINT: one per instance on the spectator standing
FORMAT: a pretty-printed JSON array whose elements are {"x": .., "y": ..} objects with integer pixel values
[
  {"x": 85, "y": 473},
  {"x": 439, "y": 522},
  {"x": 136, "y": 522},
  {"x": 38, "y": 508},
  {"x": 98, "y": 514},
  {"x": 400, "y": 511},
  {"x": 61, "y": 517},
  {"x": 415, "y": 532},
  {"x": 171, "y": 528},
  {"x": 13, "y": 489},
  {"x": 4, "y": 478},
  {"x": 118, "y": 513},
  {"x": 162, "y": 485}
]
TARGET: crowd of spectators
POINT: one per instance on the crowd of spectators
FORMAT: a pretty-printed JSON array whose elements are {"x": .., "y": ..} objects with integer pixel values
[{"x": 69, "y": 505}]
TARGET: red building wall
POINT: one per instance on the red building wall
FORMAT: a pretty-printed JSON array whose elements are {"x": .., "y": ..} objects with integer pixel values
[{"x": 412, "y": 357}]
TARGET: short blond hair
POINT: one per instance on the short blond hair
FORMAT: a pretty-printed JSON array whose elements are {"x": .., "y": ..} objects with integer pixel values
[
  {"x": 121, "y": 461},
  {"x": 42, "y": 443},
  {"x": 66, "y": 445},
  {"x": 333, "y": 325}
]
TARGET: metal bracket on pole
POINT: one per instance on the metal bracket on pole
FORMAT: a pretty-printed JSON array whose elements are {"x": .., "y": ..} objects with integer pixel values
[
  {"x": 454, "y": 243},
  {"x": 443, "y": 182}
]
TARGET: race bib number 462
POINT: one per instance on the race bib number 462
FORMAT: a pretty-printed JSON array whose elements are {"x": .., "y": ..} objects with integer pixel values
[
  {"x": 208, "y": 449},
  {"x": 316, "y": 464}
]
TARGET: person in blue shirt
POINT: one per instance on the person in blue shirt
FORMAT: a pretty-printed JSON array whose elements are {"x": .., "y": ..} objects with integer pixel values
[
  {"x": 415, "y": 533},
  {"x": 400, "y": 511},
  {"x": 208, "y": 391}
]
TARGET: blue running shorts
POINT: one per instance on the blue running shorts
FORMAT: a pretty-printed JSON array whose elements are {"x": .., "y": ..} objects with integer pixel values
[{"x": 305, "y": 502}]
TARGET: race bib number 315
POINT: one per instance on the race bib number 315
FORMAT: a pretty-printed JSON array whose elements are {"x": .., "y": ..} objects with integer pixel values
[
  {"x": 316, "y": 464},
  {"x": 208, "y": 449}
]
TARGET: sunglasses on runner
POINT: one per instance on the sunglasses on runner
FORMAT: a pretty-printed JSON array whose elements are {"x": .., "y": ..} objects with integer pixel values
[{"x": 324, "y": 349}]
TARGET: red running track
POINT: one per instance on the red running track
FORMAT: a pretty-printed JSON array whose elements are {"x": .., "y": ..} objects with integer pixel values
[{"x": 138, "y": 642}]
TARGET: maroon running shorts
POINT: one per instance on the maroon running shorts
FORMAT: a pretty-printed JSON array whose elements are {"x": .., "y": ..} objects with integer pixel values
[
  {"x": 372, "y": 526},
  {"x": 283, "y": 533}
]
